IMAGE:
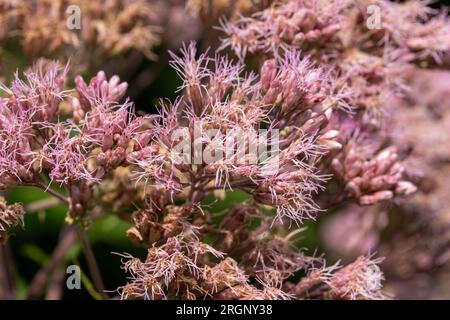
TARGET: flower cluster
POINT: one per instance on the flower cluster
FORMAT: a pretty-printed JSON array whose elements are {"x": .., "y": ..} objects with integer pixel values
[
  {"x": 302, "y": 23},
  {"x": 75, "y": 153},
  {"x": 114, "y": 27},
  {"x": 185, "y": 154},
  {"x": 369, "y": 175},
  {"x": 413, "y": 233},
  {"x": 369, "y": 59},
  {"x": 290, "y": 96},
  {"x": 362, "y": 278},
  {"x": 414, "y": 26},
  {"x": 10, "y": 215},
  {"x": 28, "y": 105},
  {"x": 299, "y": 131}
]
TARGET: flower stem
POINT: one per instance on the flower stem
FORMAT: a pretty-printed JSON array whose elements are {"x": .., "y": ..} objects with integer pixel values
[
  {"x": 7, "y": 273},
  {"x": 47, "y": 189},
  {"x": 67, "y": 240},
  {"x": 41, "y": 205},
  {"x": 92, "y": 263}
]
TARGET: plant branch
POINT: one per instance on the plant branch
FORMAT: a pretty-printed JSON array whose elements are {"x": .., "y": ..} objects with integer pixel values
[
  {"x": 55, "y": 287},
  {"x": 6, "y": 273},
  {"x": 43, "y": 204},
  {"x": 67, "y": 240},
  {"x": 50, "y": 191}
]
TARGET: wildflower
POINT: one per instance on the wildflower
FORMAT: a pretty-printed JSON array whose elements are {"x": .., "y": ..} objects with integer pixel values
[
  {"x": 371, "y": 62},
  {"x": 372, "y": 179},
  {"x": 10, "y": 215},
  {"x": 66, "y": 157},
  {"x": 116, "y": 28},
  {"x": 41, "y": 92},
  {"x": 360, "y": 279},
  {"x": 285, "y": 24},
  {"x": 225, "y": 274},
  {"x": 15, "y": 146},
  {"x": 423, "y": 30},
  {"x": 100, "y": 92},
  {"x": 171, "y": 265},
  {"x": 303, "y": 133}
]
